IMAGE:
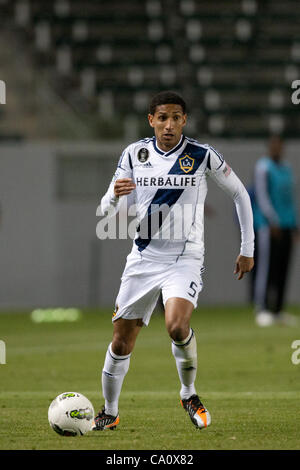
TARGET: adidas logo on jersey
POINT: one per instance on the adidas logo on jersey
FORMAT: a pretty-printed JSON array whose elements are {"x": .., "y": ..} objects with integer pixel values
[{"x": 144, "y": 165}]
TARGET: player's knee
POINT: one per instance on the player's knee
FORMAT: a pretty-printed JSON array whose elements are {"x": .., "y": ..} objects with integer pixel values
[
  {"x": 121, "y": 346},
  {"x": 178, "y": 331}
]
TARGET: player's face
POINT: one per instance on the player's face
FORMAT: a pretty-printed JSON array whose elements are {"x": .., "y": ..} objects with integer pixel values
[{"x": 167, "y": 121}]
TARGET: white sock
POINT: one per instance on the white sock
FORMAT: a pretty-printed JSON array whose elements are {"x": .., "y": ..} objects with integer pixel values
[
  {"x": 185, "y": 354},
  {"x": 114, "y": 370}
]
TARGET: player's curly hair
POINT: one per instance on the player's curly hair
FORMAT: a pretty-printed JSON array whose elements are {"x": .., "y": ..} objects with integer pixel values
[{"x": 166, "y": 97}]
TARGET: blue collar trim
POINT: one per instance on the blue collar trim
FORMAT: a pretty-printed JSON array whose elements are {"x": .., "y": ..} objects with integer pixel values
[{"x": 173, "y": 150}]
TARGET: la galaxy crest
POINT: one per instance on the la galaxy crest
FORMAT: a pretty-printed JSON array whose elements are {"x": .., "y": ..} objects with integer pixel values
[
  {"x": 186, "y": 163},
  {"x": 143, "y": 155}
]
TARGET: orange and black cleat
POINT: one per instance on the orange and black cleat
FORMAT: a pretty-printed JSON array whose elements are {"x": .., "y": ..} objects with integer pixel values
[
  {"x": 103, "y": 421},
  {"x": 199, "y": 415}
]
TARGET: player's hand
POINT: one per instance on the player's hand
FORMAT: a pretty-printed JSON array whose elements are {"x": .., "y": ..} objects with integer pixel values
[
  {"x": 123, "y": 187},
  {"x": 243, "y": 265}
]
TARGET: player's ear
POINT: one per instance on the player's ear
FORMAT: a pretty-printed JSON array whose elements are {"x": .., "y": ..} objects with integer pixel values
[
  {"x": 150, "y": 119},
  {"x": 184, "y": 120}
]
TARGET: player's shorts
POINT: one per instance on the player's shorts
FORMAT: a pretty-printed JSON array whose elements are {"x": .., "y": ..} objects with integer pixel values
[{"x": 143, "y": 281}]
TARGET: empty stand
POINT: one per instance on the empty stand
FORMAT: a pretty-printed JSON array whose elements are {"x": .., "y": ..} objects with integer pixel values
[{"x": 233, "y": 60}]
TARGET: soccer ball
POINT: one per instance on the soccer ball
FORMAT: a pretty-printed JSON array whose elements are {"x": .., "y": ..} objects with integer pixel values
[{"x": 71, "y": 414}]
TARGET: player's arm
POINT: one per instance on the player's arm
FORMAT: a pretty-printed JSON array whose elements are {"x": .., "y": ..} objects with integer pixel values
[
  {"x": 227, "y": 180},
  {"x": 121, "y": 185}
]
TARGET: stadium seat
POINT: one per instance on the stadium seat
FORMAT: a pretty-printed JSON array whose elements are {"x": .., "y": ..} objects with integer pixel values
[{"x": 235, "y": 71}]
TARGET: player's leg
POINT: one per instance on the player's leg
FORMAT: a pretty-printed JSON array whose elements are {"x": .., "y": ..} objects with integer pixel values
[
  {"x": 263, "y": 315},
  {"x": 125, "y": 333},
  {"x": 117, "y": 361},
  {"x": 135, "y": 303},
  {"x": 115, "y": 368},
  {"x": 178, "y": 312},
  {"x": 285, "y": 253},
  {"x": 284, "y": 256},
  {"x": 273, "y": 275},
  {"x": 180, "y": 292}
]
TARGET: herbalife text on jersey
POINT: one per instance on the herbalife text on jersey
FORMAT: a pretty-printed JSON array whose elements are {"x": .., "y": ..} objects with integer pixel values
[{"x": 160, "y": 221}]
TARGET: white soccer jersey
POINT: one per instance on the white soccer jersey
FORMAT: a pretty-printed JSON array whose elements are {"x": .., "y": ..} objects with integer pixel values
[{"x": 170, "y": 193}]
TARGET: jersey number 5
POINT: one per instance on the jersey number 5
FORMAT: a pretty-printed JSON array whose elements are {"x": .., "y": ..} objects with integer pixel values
[{"x": 192, "y": 287}]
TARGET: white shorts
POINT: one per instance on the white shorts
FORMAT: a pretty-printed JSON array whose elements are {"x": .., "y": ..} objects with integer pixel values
[{"x": 143, "y": 281}]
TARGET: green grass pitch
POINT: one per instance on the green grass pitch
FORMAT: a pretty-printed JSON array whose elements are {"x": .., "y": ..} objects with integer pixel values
[{"x": 245, "y": 377}]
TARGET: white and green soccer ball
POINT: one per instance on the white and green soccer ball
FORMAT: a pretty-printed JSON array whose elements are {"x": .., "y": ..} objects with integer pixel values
[{"x": 71, "y": 414}]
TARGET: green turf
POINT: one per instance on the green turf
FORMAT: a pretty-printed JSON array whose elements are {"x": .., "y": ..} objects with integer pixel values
[{"x": 245, "y": 378}]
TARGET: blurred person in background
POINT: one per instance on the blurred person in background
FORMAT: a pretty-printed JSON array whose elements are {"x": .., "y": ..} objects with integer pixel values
[{"x": 276, "y": 227}]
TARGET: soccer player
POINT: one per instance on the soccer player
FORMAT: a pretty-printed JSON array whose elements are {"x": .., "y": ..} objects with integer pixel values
[{"x": 167, "y": 173}]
